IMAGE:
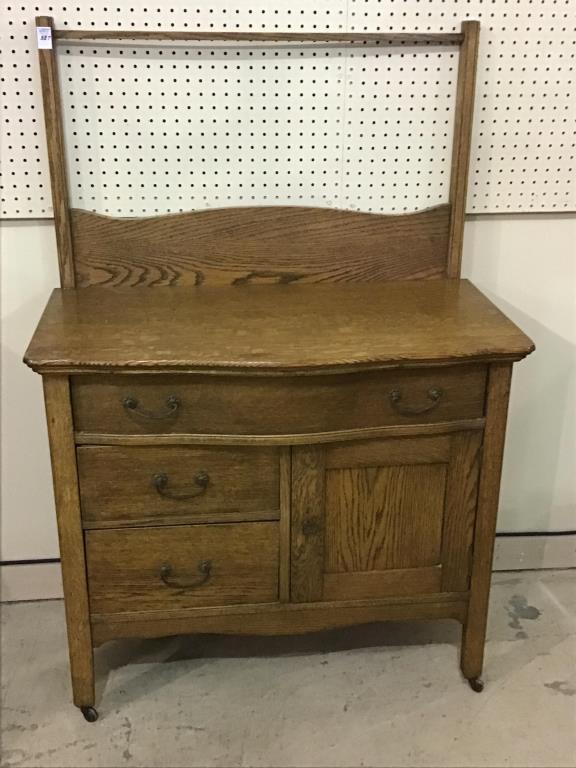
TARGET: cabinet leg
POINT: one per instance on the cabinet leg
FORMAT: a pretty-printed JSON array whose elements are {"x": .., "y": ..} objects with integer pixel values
[
  {"x": 82, "y": 669},
  {"x": 472, "y": 650},
  {"x": 71, "y": 537},
  {"x": 474, "y": 631}
]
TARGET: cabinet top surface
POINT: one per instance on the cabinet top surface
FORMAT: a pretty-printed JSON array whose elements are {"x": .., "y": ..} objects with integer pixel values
[{"x": 272, "y": 329}]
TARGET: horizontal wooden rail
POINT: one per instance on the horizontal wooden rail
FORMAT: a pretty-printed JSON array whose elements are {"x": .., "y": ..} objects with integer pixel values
[
  {"x": 453, "y": 38},
  {"x": 303, "y": 438}
]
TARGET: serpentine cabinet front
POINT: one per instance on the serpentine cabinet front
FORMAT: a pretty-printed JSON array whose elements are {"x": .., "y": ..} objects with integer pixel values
[{"x": 274, "y": 505}]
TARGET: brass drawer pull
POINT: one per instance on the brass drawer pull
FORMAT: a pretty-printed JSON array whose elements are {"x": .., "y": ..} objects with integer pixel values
[
  {"x": 434, "y": 394},
  {"x": 204, "y": 569},
  {"x": 160, "y": 482},
  {"x": 132, "y": 404}
]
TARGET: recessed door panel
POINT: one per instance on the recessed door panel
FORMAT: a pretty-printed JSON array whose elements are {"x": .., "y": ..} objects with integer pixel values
[{"x": 380, "y": 518}]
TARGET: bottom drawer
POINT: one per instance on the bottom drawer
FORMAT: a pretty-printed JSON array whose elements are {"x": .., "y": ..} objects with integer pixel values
[{"x": 146, "y": 569}]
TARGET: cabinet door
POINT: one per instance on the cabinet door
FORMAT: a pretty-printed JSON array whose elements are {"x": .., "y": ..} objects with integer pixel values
[{"x": 383, "y": 518}]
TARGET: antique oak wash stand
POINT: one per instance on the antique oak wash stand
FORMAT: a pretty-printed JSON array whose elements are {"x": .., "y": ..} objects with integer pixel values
[{"x": 320, "y": 450}]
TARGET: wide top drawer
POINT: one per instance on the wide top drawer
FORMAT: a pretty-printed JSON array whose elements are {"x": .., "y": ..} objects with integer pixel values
[{"x": 248, "y": 405}]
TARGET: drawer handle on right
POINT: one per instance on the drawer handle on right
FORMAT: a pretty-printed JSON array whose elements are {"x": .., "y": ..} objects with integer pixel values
[
  {"x": 434, "y": 394},
  {"x": 201, "y": 480},
  {"x": 204, "y": 569},
  {"x": 132, "y": 405}
]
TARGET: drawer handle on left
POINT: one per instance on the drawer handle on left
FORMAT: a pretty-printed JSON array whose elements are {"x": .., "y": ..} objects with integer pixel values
[
  {"x": 204, "y": 569},
  {"x": 201, "y": 480},
  {"x": 132, "y": 405}
]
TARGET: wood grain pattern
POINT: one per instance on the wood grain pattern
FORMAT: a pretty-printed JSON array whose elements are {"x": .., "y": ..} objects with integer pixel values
[
  {"x": 435, "y": 38},
  {"x": 380, "y": 518},
  {"x": 268, "y": 406},
  {"x": 218, "y": 516},
  {"x": 393, "y": 506},
  {"x": 124, "y": 566},
  {"x": 365, "y": 584},
  {"x": 461, "y": 498},
  {"x": 56, "y": 156},
  {"x": 262, "y": 329},
  {"x": 245, "y": 609},
  {"x": 285, "y": 522},
  {"x": 308, "y": 438},
  {"x": 63, "y": 456},
  {"x": 116, "y": 483},
  {"x": 307, "y": 534},
  {"x": 284, "y": 619},
  {"x": 464, "y": 111},
  {"x": 474, "y": 632},
  {"x": 374, "y": 453},
  {"x": 239, "y": 246}
]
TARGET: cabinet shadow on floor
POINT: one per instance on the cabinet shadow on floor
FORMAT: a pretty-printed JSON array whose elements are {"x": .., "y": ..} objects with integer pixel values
[{"x": 160, "y": 652}]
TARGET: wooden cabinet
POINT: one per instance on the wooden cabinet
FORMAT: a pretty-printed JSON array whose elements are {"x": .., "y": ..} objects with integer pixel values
[
  {"x": 384, "y": 517},
  {"x": 272, "y": 420},
  {"x": 369, "y": 519},
  {"x": 229, "y": 496}
]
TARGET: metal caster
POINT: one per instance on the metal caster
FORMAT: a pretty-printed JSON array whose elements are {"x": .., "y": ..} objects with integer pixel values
[
  {"x": 90, "y": 714},
  {"x": 476, "y": 684}
]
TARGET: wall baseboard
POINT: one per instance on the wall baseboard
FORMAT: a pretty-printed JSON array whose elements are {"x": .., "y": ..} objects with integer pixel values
[
  {"x": 43, "y": 581},
  {"x": 534, "y": 552},
  {"x": 32, "y": 581}
]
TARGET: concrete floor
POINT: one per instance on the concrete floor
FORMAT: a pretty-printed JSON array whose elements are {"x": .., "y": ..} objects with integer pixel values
[{"x": 385, "y": 695}]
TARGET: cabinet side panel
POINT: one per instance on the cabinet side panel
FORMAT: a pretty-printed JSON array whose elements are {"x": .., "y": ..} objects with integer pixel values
[
  {"x": 488, "y": 494},
  {"x": 460, "y": 512}
]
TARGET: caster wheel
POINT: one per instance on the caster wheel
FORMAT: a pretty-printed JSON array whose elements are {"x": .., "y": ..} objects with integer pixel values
[
  {"x": 476, "y": 684},
  {"x": 90, "y": 714}
]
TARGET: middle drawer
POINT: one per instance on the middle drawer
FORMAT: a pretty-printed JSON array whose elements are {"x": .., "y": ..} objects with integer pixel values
[{"x": 163, "y": 484}]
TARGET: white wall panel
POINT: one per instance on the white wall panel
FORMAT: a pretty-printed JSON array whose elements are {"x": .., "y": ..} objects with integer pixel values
[
  {"x": 29, "y": 272},
  {"x": 527, "y": 266}
]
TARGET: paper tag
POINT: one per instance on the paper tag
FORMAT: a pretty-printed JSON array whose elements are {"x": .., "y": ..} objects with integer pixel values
[{"x": 44, "y": 36}]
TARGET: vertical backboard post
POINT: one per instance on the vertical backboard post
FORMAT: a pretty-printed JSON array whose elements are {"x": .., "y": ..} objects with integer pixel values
[
  {"x": 55, "y": 142},
  {"x": 461, "y": 143}
]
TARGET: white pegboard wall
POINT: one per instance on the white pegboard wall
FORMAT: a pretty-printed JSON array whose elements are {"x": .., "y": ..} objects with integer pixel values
[
  {"x": 182, "y": 127},
  {"x": 200, "y": 126},
  {"x": 523, "y": 144}
]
